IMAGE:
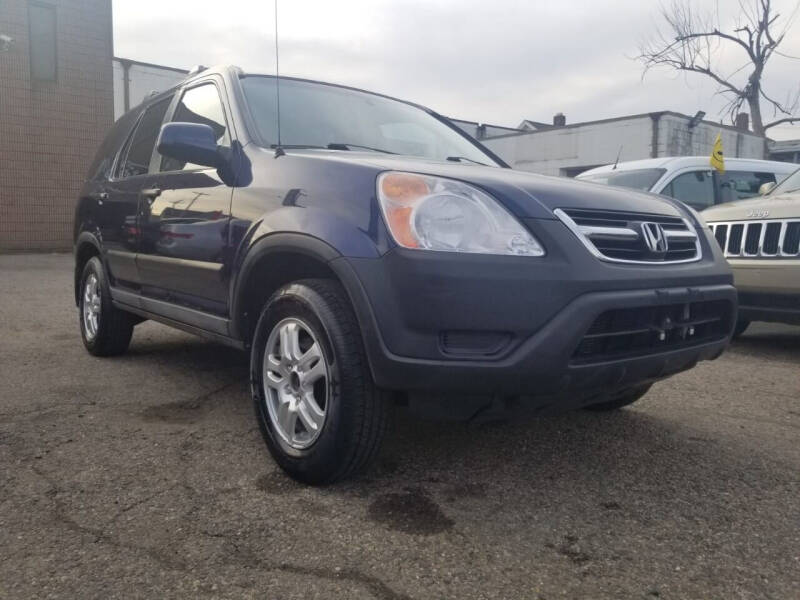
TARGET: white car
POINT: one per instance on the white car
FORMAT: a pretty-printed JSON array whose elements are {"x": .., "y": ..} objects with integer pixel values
[{"x": 691, "y": 178}]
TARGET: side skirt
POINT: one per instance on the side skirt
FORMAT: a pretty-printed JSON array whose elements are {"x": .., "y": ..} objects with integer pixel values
[{"x": 186, "y": 319}]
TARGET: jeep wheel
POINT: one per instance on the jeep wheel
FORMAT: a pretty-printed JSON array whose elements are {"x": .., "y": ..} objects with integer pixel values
[
  {"x": 620, "y": 399},
  {"x": 106, "y": 330},
  {"x": 321, "y": 416}
]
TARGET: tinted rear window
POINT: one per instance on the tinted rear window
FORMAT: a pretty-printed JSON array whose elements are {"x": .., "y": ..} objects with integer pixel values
[
  {"x": 140, "y": 148},
  {"x": 104, "y": 159}
]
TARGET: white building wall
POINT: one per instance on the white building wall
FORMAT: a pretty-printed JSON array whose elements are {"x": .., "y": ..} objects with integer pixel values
[
  {"x": 119, "y": 95},
  {"x": 568, "y": 150},
  {"x": 482, "y": 131},
  {"x": 560, "y": 150},
  {"x": 142, "y": 79},
  {"x": 676, "y": 139}
]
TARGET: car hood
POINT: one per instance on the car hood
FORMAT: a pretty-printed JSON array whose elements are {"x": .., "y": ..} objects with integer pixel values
[
  {"x": 524, "y": 194},
  {"x": 781, "y": 206}
]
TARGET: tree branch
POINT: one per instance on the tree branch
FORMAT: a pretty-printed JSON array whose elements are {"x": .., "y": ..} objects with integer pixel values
[
  {"x": 779, "y": 121},
  {"x": 778, "y": 106},
  {"x": 690, "y": 41},
  {"x": 719, "y": 34},
  {"x": 729, "y": 87}
]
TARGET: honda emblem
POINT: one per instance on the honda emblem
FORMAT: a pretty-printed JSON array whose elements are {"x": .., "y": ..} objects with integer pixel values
[{"x": 655, "y": 238}]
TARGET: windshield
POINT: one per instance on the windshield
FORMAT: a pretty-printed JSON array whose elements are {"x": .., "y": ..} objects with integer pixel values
[
  {"x": 790, "y": 184},
  {"x": 638, "y": 179},
  {"x": 323, "y": 116}
]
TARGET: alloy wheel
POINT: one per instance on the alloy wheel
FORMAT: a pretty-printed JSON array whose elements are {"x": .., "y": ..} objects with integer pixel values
[
  {"x": 91, "y": 306},
  {"x": 295, "y": 381}
]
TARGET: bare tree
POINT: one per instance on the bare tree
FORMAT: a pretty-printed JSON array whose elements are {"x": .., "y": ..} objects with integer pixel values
[{"x": 691, "y": 41}]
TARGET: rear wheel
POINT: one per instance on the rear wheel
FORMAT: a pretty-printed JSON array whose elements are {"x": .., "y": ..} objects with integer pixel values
[
  {"x": 619, "y": 399},
  {"x": 106, "y": 330},
  {"x": 321, "y": 416}
]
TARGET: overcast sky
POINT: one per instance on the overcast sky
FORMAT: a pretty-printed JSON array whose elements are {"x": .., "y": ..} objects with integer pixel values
[{"x": 493, "y": 61}]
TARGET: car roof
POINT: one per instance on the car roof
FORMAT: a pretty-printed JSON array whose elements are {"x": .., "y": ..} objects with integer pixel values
[
  {"x": 679, "y": 162},
  {"x": 235, "y": 71},
  {"x": 238, "y": 72}
]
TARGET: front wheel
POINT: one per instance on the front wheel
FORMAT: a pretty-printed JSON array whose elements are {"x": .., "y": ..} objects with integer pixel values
[{"x": 321, "y": 416}]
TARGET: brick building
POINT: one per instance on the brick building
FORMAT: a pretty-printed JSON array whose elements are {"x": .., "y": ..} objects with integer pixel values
[{"x": 56, "y": 103}]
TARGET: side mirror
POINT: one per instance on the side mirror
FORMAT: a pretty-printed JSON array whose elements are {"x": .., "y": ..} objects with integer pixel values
[
  {"x": 191, "y": 143},
  {"x": 766, "y": 188}
]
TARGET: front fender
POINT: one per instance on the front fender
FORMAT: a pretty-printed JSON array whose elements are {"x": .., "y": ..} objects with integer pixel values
[
  {"x": 312, "y": 232},
  {"x": 347, "y": 238}
]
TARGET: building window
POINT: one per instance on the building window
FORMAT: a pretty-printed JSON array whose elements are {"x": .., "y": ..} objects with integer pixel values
[{"x": 42, "y": 29}]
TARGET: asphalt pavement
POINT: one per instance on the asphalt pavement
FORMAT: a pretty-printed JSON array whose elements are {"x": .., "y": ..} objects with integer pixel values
[{"x": 145, "y": 476}]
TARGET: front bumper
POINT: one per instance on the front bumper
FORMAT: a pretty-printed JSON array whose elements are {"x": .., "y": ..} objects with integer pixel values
[
  {"x": 518, "y": 321},
  {"x": 769, "y": 289}
]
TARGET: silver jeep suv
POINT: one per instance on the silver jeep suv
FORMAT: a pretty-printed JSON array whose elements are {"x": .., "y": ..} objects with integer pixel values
[{"x": 761, "y": 240}]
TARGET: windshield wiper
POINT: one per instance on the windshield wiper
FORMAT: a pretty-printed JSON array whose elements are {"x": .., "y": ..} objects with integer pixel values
[
  {"x": 347, "y": 146},
  {"x": 297, "y": 146},
  {"x": 464, "y": 158},
  {"x": 331, "y": 146}
]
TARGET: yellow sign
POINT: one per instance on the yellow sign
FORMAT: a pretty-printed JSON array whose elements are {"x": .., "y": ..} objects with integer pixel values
[{"x": 717, "y": 160}]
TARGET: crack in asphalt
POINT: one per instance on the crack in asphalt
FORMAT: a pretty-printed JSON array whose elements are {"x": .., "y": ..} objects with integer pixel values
[
  {"x": 26, "y": 415},
  {"x": 144, "y": 500},
  {"x": 246, "y": 558},
  {"x": 184, "y": 411},
  {"x": 60, "y": 516},
  {"x": 376, "y": 586}
]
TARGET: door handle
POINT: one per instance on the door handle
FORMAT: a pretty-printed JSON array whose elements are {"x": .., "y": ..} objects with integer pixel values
[
  {"x": 151, "y": 194},
  {"x": 99, "y": 196}
]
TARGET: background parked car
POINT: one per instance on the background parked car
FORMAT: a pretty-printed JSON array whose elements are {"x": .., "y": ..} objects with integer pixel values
[
  {"x": 761, "y": 240},
  {"x": 691, "y": 179}
]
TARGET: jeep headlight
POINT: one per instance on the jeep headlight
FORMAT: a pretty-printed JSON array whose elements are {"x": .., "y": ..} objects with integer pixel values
[{"x": 434, "y": 213}]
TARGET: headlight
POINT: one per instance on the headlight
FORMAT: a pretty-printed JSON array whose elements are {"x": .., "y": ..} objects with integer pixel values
[{"x": 433, "y": 213}]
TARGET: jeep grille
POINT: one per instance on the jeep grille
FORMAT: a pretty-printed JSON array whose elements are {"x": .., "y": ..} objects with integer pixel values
[{"x": 758, "y": 239}]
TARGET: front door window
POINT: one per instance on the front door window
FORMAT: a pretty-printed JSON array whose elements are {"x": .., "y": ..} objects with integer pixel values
[{"x": 695, "y": 188}]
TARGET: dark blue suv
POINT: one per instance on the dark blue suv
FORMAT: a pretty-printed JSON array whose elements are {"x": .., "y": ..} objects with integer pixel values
[{"x": 365, "y": 251}]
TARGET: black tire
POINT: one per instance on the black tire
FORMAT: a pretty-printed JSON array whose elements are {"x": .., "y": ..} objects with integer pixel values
[
  {"x": 741, "y": 326},
  {"x": 619, "y": 399},
  {"x": 356, "y": 412},
  {"x": 114, "y": 326}
]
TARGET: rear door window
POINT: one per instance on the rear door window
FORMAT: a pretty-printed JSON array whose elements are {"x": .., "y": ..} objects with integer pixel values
[
  {"x": 738, "y": 185},
  {"x": 141, "y": 144},
  {"x": 695, "y": 188}
]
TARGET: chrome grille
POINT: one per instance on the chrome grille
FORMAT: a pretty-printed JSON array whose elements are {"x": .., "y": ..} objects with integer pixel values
[
  {"x": 759, "y": 239},
  {"x": 619, "y": 236}
]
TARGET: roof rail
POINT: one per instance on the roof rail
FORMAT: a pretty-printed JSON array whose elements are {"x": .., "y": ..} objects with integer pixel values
[{"x": 196, "y": 69}]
